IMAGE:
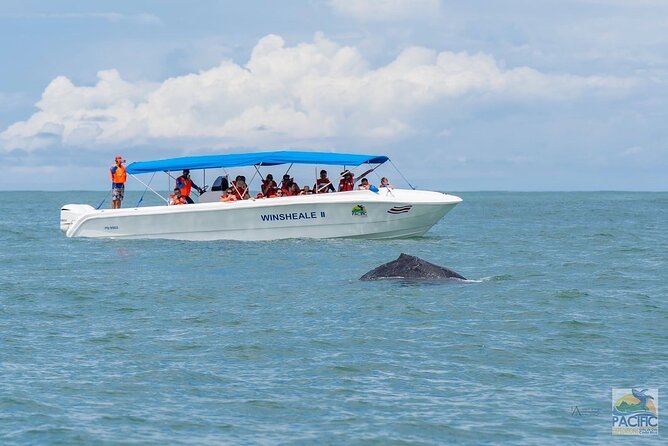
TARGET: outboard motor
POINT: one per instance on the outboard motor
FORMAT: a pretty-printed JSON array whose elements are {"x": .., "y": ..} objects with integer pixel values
[{"x": 71, "y": 213}]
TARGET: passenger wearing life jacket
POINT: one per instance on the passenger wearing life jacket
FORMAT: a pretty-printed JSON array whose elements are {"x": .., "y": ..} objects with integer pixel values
[
  {"x": 347, "y": 182},
  {"x": 294, "y": 189},
  {"x": 176, "y": 198},
  {"x": 269, "y": 186},
  {"x": 364, "y": 185},
  {"x": 228, "y": 195},
  {"x": 240, "y": 188},
  {"x": 117, "y": 175},
  {"x": 286, "y": 183},
  {"x": 323, "y": 184},
  {"x": 186, "y": 184}
]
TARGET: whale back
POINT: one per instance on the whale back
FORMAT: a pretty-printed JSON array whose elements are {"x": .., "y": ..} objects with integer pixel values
[{"x": 411, "y": 268}]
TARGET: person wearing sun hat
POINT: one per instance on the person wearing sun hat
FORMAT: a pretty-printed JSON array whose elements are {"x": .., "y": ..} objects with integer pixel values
[
  {"x": 347, "y": 181},
  {"x": 118, "y": 175}
]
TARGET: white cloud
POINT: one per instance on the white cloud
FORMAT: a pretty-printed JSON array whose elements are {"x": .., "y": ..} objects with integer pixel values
[
  {"x": 387, "y": 10},
  {"x": 285, "y": 94}
]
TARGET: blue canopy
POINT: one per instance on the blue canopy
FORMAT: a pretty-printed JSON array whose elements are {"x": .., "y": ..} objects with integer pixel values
[{"x": 253, "y": 159}]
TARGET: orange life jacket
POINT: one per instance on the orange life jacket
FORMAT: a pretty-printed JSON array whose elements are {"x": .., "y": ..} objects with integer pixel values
[
  {"x": 322, "y": 185},
  {"x": 119, "y": 175},
  {"x": 269, "y": 187},
  {"x": 174, "y": 199},
  {"x": 187, "y": 185},
  {"x": 285, "y": 186},
  {"x": 239, "y": 190},
  {"x": 346, "y": 184}
]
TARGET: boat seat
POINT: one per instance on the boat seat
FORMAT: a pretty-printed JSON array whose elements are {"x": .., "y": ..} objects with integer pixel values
[{"x": 220, "y": 184}]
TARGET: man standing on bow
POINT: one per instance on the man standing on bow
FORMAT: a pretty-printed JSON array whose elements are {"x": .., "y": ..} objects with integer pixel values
[
  {"x": 186, "y": 184},
  {"x": 118, "y": 176}
]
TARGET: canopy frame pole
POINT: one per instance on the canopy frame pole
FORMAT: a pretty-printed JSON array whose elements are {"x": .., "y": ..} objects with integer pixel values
[
  {"x": 341, "y": 177},
  {"x": 254, "y": 175},
  {"x": 325, "y": 187},
  {"x": 105, "y": 198},
  {"x": 150, "y": 188},
  {"x": 261, "y": 178},
  {"x": 234, "y": 184},
  {"x": 402, "y": 175},
  {"x": 366, "y": 173},
  {"x": 241, "y": 194},
  {"x": 144, "y": 193},
  {"x": 258, "y": 172},
  {"x": 227, "y": 175},
  {"x": 251, "y": 180},
  {"x": 287, "y": 171}
]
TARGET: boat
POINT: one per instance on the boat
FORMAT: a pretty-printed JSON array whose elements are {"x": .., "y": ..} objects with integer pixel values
[{"x": 376, "y": 213}]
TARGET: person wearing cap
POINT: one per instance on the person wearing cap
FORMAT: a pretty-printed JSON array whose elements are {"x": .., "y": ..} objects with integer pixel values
[
  {"x": 117, "y": 175},
  {"x": 186, "y": 184},
  {"x": 347, "y": 181}
]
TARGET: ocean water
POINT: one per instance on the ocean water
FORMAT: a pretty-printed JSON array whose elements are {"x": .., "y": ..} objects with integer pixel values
[{"x": 169, "y": 342}]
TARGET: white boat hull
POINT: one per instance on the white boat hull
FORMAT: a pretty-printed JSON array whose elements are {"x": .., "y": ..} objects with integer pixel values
[{"x": 358, "y": 214}]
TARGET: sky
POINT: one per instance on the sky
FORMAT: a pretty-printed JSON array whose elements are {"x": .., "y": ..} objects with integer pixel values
[{"x": 516, "y": 95}]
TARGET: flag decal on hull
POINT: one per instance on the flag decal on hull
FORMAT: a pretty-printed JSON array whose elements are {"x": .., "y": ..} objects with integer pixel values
[{"x": 399, "y": 209}]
